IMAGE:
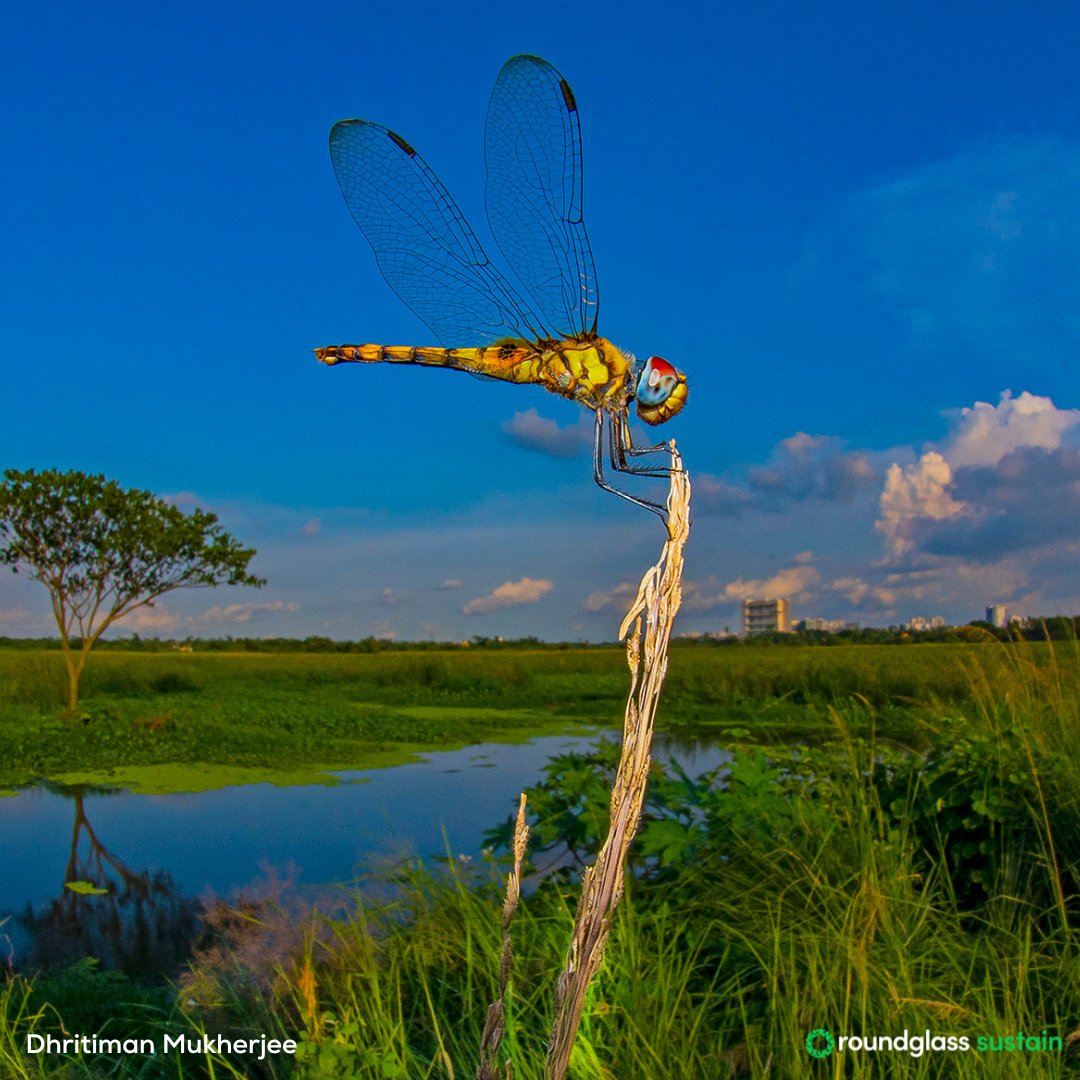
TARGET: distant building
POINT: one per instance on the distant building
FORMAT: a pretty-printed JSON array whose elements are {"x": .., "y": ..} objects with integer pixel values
[
  {"x": 831, "y": 626},
  {"x": 766, "y": 617},
  {"x": 996, "y": 615},
  {"x": 937, "y": 622}
]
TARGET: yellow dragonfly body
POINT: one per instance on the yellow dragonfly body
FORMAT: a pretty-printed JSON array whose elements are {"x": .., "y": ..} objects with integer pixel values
[
  {"x": 594, "y": 374},
  {"x": 431, "y": 258}
]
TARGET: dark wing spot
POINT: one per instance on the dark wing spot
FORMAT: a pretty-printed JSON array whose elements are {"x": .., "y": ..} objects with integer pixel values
[
  {"x": 568, "y": 96},
  {"x": 401, "y": 143}
]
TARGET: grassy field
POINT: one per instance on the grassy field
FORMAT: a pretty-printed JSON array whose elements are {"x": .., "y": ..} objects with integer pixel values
[
  {"x": 896, "y": 848},
  {"x": 324, "y": 710}
]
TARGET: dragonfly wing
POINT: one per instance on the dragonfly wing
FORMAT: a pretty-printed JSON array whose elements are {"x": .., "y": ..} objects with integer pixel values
[
  {"x": 423, "y": 245},
  {"x": 534, "y": 194}
]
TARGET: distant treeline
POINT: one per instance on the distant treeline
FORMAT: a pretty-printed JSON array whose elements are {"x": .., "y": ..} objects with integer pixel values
[
  {"x": 1051, "y": 628},
  {"x": 135, "y": 643}
]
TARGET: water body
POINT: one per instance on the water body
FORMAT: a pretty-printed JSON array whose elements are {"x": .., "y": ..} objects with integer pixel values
[{"x": 160, "y": 857}]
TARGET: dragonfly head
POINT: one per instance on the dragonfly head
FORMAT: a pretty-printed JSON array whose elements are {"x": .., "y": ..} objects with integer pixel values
[{"x": 661, "y": 391}]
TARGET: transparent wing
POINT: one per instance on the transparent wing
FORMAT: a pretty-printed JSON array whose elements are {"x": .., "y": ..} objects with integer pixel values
[
  {"x": 534, "y": 193},
  {"x": 423, "y": 245}
]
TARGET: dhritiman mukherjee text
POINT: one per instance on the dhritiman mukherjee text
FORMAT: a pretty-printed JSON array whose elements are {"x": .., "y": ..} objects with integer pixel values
[{"x": 259, "y": 1048}]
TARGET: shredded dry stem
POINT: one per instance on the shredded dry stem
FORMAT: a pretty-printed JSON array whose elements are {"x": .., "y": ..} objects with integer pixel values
[
  {"x": 495, "y": 1024},
  {"x": 648, "y": 624}
]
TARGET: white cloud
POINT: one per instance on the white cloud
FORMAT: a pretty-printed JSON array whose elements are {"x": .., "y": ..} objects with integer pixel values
[
  {"x": 913, "y": 494},
  {"x": 720, "y": 496},
  {"x": 150, "y": 620},
  {"x": 311, "y": 527},
  {"x": 242, "y": 613},
  {"x": 800, "y": 467},
  {"x": 509, "y": 594},
  {"x": 536, "y": 432},
  {"x": 599, "y": 601},
  {"x": 859, "y": 592},
  {"x": 984, "y": 434},
  {"x": 1000, "y": 479},
  {"x": 793, "y": 582}
]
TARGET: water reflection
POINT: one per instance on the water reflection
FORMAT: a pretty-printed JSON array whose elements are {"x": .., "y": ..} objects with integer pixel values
[
  {"x": 134, "y": 921},
  {"x": 164, "y": 858}
]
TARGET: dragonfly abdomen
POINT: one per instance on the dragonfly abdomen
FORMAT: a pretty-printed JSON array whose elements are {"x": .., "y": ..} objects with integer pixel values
[
  {"x": 593, "y": 373},
  {"x": 484, "y": 361}
]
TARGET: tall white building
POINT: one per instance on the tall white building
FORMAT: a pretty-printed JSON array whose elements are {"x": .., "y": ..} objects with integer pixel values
[
  {"x": 766, "y": 617},
  {"x": 996, "y": 615}
]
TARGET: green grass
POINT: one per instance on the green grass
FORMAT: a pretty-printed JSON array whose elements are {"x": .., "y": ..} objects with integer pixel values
[
  {"x": 256, "y": 712},
  {"x": 318, "y": 711},
  {"x": 909, "y": 860},
  {"x": 813, "y": 911}
]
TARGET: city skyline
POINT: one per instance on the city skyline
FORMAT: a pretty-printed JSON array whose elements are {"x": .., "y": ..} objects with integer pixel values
[{"x": 854, "y": 229}]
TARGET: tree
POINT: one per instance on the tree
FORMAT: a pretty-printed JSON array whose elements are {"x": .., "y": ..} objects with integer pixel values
[{"x": 103, "y": 551}]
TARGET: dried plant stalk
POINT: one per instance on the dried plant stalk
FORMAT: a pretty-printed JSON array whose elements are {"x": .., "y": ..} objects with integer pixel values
[
  {"x": 495, "y": 1024},
  {"x": 648, "y": 624}
]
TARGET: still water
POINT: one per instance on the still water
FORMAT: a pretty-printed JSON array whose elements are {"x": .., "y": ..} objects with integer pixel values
[{"x": 162, "y": 856}]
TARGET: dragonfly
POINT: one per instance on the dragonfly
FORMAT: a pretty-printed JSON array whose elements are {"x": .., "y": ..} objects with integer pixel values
[{"x": 545, "y": 334}]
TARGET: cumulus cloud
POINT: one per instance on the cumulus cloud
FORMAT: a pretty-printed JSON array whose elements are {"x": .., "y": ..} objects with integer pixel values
[
  {"x": 793, "y": 582},
  {"x": 182, "y": 499},
  {"x": 150, "y": 620},
  {"x": 813, "y": 466},
  {"x": 914, "y": 495},
  {"x": 800, "y": 467},
  {"x": 242, "y": 613},
  {"x": 535, "y": 432},
  {"x": 859, "y": 593},
  {"x": 984, "y": 434},
  {"x": 509, "y": 594},
  {"x": 719, "y": 496},
  {"x": 1000, "y": 482},
  {"x": 599, "y": 601},
  {"x": 1027, "y": 500}
]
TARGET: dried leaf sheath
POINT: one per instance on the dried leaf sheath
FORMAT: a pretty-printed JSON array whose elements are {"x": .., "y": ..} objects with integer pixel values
[
  {"x": 495, "y": 1024},
  {"x": 648, "y": 624}
]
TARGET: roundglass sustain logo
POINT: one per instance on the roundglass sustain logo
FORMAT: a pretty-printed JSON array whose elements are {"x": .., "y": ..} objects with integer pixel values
[{"x": 819, "y": 1043}]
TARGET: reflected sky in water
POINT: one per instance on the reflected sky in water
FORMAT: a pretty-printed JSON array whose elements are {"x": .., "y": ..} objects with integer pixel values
[{"x": 220, "y": 841}]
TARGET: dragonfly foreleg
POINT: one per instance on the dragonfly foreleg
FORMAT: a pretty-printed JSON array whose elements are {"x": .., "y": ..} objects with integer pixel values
[
  {"x": 622, "y": 446},
  {"x": 598, "y": 470}
]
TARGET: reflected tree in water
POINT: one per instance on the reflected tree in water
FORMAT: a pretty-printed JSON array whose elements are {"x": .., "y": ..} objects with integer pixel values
[{"x": 136, "y": 922}]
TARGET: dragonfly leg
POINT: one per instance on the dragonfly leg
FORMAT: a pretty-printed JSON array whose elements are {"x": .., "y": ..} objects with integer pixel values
[
  {"x": 622, "y": 447},
  {"x": 598, "y": 469}
]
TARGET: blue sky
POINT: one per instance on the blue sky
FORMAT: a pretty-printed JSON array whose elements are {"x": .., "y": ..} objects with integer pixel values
[{"x": 856, "y": 227}]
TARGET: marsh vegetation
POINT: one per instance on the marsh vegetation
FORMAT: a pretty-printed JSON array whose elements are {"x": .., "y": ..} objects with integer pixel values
[{"x": 896, "y": 846}]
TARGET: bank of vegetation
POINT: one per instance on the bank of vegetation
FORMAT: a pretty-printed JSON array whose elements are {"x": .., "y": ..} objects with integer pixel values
[{"x": 895, "y": 847}]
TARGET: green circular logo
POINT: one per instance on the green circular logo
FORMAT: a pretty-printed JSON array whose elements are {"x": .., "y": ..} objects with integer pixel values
[{"x": 825, "y": 1049}]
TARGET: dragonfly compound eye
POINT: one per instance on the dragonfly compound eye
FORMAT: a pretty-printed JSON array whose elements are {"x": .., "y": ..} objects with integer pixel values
[{"x": 661, "y": 391}]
